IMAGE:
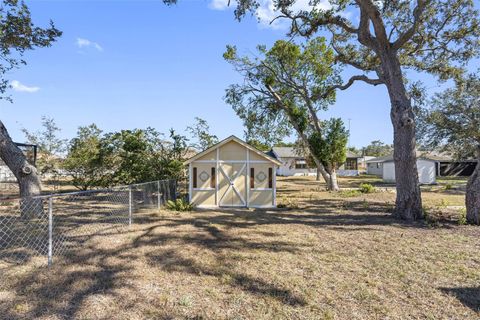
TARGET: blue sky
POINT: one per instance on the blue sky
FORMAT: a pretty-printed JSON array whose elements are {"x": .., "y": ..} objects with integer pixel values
[{"x": 134, "y": 64}]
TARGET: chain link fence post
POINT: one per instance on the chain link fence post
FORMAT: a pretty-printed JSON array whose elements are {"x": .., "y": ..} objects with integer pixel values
[
  {"x": 129, "y": 206},
  {"x": 50, "y": 231},
  {"x": 158, "y": 194}
]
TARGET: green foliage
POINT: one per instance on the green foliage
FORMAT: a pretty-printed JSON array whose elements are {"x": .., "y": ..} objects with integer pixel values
[
  {"x": 201, "y": 132},
  {"x": 284, "y": 88},
  {"x": 50, "y": 146},
  {"x": 125, "y": 157},
  {"x": 378, "y": 148},
  {"x": 330, "y": 145},
  {"x": 18, "y": 34},
  {"x": 179, "y": 205},
  {"x": 349, "y": 193},
  {"x": 299, "y": 75},
  {"x": 451, "y": 120},
  {"x": 462, "y": 216},
  {"x": 86, "y": 160},
  {"x": 259, "y": 145},
  {"x": 435, "y": 36},
  {"x": 288, "y": 203},
  {"x": 367, "y": 188}
]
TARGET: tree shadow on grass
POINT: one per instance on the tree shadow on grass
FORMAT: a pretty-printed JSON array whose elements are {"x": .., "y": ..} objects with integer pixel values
[
  {"x": 469, "y": 297},
  {"x": 172, "y": 261}
]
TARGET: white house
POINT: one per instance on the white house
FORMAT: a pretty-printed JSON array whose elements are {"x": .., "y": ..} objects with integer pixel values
[{"x": 295, "y": 164}]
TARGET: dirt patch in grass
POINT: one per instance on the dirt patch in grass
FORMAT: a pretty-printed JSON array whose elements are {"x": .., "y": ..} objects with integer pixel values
[{"x": 332, "y": 258}]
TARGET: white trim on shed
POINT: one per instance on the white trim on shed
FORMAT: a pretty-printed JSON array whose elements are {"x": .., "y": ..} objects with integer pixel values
[{"x": 232, "y": 173}]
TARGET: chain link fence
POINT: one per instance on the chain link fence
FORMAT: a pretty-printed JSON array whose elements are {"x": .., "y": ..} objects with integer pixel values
[{"x": 52, "y": 225}]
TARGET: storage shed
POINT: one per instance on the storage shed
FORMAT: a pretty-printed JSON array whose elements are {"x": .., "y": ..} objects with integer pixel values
[
  {"x": 232, "y": 173},
  {"x": 426, "y": 171}
]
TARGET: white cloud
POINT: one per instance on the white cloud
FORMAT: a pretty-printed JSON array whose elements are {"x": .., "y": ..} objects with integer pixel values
[
  {"x": 17, "y": 86},
  {"x": 85, "y": 43},
  {"x": 219, "y": 4},
  {"x": 266, "y": 12}
]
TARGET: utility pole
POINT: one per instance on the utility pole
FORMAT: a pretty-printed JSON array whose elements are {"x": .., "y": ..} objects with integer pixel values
[{"x": 349, "y": 132}]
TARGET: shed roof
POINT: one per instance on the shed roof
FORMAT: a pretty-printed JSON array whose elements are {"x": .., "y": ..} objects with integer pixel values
[
  {"x": 432, "y": 156},
  {"x": 237, "y": 140}
]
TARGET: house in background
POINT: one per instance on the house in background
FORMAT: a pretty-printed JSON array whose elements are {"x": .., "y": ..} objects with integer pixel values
[
  {"x": 295, "y": 164},
  {"x": 430, "y": 165}
]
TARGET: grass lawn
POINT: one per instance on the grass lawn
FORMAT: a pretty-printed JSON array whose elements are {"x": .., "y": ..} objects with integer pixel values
[{"x": 327, "y": 256}]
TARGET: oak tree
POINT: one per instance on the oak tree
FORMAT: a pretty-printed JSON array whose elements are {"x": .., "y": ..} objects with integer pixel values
[
  {"x": 288, "y": 85},
  {"x": 451, "y": 122},
  {"x": 18, "y": 34},
  {"x": 382, "y": 41}
]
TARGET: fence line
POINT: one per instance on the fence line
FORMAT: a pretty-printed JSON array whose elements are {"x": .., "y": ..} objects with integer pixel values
[{"x": 51, "y": 225}]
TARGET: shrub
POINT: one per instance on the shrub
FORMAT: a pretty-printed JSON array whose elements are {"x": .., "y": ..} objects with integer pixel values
[
  {"x": 348, "y": 193},
  {"x": 462, "y": 217},
  {"x": 179, "y": 205},
  {"x": 290, "y": 203},
  {"x": 367, "y": 188}
]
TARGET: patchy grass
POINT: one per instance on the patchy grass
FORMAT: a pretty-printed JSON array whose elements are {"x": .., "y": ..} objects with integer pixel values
[{"x": 332, "y": 258}]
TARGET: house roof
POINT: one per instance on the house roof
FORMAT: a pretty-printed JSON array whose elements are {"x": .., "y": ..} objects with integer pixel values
[
  {"x": 432, "y": 156},
  {"x": 286, "y": 152},
  {"x": 291, "y": 152},
  {"x": 239, "y": 141},
  {"x": 353, "y": 155}
]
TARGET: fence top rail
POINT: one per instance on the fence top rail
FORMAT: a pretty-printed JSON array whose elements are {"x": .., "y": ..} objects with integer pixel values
[{"x": 76, "y": 193}]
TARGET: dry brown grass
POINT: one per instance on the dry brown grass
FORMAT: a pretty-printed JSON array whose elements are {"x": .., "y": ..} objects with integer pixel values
[{"x": 334, "y": 257}]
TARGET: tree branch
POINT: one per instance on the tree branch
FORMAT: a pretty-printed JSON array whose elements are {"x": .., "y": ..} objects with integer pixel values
[
  {"x": 314, "y": 23},
  {"x": 374, "y": 82},
  {"x": 368, "y": 9},
  {"x": 407, "y": 35}
]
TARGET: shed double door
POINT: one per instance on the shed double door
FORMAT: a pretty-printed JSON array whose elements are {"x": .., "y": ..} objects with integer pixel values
[{"x": 232, "y": 184}]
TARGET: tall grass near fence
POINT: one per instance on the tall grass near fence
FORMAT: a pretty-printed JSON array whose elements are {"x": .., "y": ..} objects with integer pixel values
[{"x": 48, "y": 226}]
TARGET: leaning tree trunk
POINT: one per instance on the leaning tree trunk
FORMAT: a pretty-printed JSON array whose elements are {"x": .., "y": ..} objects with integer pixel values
[
  {"x": 408, "y": 205},
  {"x": 472, "y": 198},
  {"x": 24, "y": 172},
  {"x": 333, "y": 182},
  {"x": 323, "y": 173}
]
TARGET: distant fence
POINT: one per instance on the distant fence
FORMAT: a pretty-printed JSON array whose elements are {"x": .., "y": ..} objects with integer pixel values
[{"x": 52, "y": 225}]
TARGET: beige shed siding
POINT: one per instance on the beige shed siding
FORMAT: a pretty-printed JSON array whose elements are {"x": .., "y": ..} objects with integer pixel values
[
  {"x": 261, "y": 174},
  {"x": 233, "y": 151},
  {"x": 204, "y": 170},
  {"x": 203, "y": 198},
  {"x": 232, "y": 183},
  {"x": 256, "y": 157},
  {"x": 211, "y": 156},
  {"x": 261, "y": 198}
]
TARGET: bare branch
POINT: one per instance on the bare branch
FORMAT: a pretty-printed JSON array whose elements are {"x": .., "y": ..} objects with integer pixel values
[{"x": 364, "y": 78}]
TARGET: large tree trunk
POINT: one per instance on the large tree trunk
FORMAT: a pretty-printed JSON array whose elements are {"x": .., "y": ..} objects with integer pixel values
[
  {"x": 408, "y": 205},
  {"x": 472, "y": 198},
  {"x": 26, "y": 174}
]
